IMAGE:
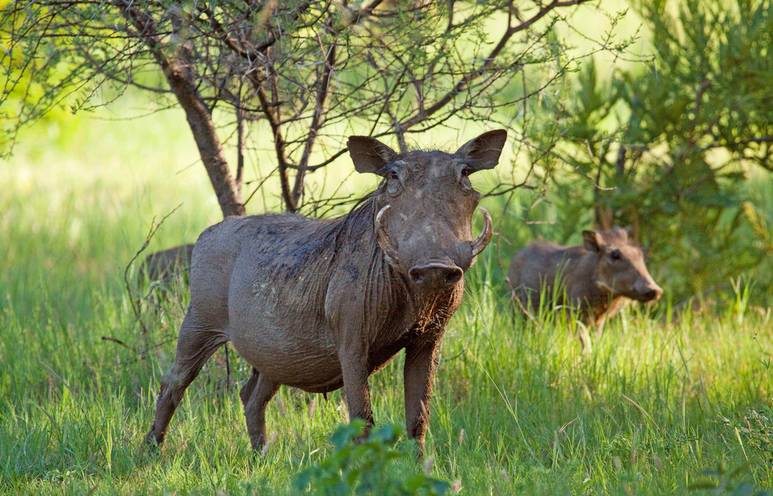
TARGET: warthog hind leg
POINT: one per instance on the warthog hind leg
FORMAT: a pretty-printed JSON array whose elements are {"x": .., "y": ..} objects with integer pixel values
[
  {"x": 256, "y": 394},
  {"x": 195, "y": 346}
]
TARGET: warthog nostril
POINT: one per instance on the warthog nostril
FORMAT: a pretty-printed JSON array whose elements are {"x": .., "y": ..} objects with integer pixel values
[
  {"x": 453, "y": 276},
  {"x": 650, "y": 294},
  {"x": 435, "y": 274}
]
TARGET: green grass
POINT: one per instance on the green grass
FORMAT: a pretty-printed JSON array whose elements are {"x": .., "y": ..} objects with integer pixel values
[{"x": 517, "y": 407}]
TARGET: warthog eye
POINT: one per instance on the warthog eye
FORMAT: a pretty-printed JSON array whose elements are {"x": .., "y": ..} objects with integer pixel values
[
  {"x": 614, "y": 254},
  {"x": 464, "y": 180}
]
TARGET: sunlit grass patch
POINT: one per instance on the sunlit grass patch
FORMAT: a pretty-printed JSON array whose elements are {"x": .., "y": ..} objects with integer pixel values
[{"x": 664, "y": 394}]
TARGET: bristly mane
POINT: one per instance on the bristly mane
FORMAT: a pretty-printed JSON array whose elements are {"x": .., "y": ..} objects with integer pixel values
[{"x": 355, "y": 222}]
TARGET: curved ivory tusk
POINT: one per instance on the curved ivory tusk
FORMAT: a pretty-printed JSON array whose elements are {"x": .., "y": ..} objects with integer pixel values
[
  {"x": 480, "y": 243},
  {"x": 383, "y": 239}
]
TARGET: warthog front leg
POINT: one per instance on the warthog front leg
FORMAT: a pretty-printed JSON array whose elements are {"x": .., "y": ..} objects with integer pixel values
[
  {"x": 419, "y": 372},
  {"x": 354, "y": 370},
  {"x": 255, "y": 396}
]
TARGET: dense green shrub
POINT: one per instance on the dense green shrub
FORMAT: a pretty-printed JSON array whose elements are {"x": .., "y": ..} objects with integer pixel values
[
  {"x": 672, "y": 148},
  {"x": 369, "y": 466}
]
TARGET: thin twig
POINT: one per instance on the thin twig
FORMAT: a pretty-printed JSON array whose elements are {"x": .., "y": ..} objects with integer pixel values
[{"x": 135, "y": 302}]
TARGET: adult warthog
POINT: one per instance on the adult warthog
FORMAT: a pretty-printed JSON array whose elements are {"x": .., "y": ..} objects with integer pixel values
[{"x": 321, "y": 304}]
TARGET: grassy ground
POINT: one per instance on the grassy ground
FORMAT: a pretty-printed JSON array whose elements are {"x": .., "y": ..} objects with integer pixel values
[{"x": 517, "y": 409}]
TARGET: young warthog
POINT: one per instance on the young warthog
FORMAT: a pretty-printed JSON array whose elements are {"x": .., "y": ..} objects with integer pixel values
[
  {"x": 321, "y": 304},
  {"x": 165, "y": 265},
  {"x": 597, "y": 276}
]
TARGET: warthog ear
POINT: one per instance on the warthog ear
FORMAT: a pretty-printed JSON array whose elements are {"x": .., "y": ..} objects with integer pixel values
[
  {"x": 483, "y": 152},
  {"x": 369, "y": 154},
  {"x": 623, "y": 234},
  {"x": 592, "y": 241}
]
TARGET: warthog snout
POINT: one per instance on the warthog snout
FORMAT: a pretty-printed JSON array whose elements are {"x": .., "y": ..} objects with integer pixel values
[
  {"x": 649, "y": 292},
  {"x": 436, "y": 274},
  {"x": 447, "y": 265}
]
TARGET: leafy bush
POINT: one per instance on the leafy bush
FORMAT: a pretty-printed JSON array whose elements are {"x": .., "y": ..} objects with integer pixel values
[{"x": 368, "y": 467}]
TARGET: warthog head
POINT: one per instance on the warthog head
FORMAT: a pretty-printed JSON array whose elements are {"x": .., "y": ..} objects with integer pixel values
[
  {"x": 425, "y": 205},
  {"x": 620, "y": 268}
]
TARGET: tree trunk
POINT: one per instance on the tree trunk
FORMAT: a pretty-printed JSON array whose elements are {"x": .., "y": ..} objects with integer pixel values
[
  {"x": 178, "y": 72},
  {"x": 211, "y": 153}
]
